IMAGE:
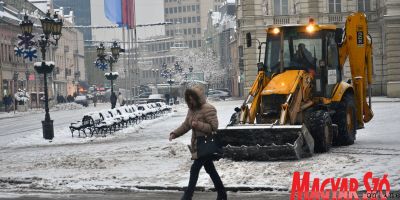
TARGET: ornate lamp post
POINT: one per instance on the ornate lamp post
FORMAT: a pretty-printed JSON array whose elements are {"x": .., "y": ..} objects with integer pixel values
[
  {"x": 170, "y": 82},
  {"x": 102, "y": 62},
  {"x": 51, "y": 26},
  {"x": 15, "y": 81},
  {"x": 191, "y": 73},
  {"x": 76, "y": 79},
  {"x": 155, "y": 72}
]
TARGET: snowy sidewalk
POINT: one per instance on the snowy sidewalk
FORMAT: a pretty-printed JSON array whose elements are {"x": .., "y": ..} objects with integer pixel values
[{"x": 143, "y": 157}]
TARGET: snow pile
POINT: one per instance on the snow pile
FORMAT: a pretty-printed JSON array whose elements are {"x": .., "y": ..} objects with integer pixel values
[
  {"x": 63, "y": 136},
  {"x": 22, "y": 96},
  {"x": 141, "y": 155},
  {"x": 67, "y": 106}
]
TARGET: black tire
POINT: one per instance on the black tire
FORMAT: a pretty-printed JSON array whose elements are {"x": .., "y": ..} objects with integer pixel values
[
  {"x": 345, "y": 118},
  {"x": 319, "y": 124}
]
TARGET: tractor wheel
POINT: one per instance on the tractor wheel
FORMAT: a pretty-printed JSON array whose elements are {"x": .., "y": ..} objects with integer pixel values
[
  {"x": 319, "y": 124},
  {"x": 345, "y": 118}
]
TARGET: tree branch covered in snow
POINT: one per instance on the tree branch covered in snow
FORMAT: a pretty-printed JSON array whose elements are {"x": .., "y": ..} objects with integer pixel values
[{"x": 202, "y": 60}]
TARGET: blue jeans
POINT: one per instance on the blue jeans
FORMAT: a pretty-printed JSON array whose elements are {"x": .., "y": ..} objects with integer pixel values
[{"x": 194, "y": 175}]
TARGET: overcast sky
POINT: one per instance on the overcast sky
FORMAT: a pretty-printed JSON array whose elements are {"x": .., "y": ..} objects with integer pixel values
[{"x": 147, "y": 12}]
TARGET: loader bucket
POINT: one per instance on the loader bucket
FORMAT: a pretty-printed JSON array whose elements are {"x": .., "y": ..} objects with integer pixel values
[{"x": 266, "y": 142}]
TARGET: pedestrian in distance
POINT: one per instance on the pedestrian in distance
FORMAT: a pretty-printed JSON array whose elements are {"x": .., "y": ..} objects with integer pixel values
[
  {"x": 94, "y": 100},
  {"x": 121, "y": 99},
  {"x": 113, "y": 100},
  {"x": 202, "y": 120}
]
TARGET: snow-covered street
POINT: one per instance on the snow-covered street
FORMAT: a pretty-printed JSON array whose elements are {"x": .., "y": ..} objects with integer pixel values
[{"x": 141, "y": 155}]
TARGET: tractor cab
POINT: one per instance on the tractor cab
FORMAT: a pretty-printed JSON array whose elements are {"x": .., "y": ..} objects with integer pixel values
[{"x": 312, "y": 48}]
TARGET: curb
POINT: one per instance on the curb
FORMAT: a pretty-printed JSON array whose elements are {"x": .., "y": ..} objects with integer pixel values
[{"x": 204, "y": 189}]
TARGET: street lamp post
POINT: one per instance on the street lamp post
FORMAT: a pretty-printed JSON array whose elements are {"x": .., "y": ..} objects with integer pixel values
[
  {"x": 76, "y": 79},
  {"x": 170, "y": 82},
  {"x": 191, "y": 73},
  {"x": 103, "y": 59},
  {"x": 51, "y": 26},
  {"x": 15, "y": 85},
  {"x": 155, "y": 71}
]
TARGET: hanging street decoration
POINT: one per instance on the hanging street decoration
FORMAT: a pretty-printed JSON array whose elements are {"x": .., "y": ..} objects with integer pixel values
[
  {"x": 30, "y": 54},
  {"x": 18, "y": 51},
  {"x": 101, "y": 65}
]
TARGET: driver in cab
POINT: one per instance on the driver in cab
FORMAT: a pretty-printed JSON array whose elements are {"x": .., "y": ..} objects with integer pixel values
[{"x": 305, "y": 58}]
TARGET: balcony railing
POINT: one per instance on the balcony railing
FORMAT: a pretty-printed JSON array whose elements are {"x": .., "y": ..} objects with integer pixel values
[
  {"x": 281, "y": 20},
  {"x": 336, "y": 18}
]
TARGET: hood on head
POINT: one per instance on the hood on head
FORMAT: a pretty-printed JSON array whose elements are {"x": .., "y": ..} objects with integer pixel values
[{"x": 199, "y": 93}]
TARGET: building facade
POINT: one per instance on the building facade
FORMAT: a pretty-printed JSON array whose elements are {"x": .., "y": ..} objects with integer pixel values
[
  {"x": 17, "y": 73},
  {"x": 82, "y": 14},
  {"x": 188, "y": 20},
  {"x": 383, "y": 24}
]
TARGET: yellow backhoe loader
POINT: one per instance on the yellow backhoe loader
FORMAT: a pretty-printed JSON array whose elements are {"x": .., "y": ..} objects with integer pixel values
[{"x": 299, "y": 103}]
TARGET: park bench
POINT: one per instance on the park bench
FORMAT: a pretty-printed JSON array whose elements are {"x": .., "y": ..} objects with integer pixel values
[{"x": 87, "y": 123}]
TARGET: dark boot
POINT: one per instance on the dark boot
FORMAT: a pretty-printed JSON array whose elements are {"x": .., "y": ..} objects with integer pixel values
[
  {"x": 222, "y": 196},
  {"x": 187, "y": 196}
]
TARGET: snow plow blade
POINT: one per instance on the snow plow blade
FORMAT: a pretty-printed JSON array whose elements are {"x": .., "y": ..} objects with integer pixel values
[{"x": 266, "y": 142}]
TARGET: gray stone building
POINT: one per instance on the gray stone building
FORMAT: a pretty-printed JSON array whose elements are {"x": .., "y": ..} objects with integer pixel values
[
  {"x": 189, "y": 20},
  {"x": 17, "y": 73},
  {"x": 383, "y": 22}
]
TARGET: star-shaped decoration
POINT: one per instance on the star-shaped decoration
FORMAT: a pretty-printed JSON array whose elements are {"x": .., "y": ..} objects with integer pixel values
[
  {"x": 18, "y": 51},
  {"x": 30, "y": 53}
]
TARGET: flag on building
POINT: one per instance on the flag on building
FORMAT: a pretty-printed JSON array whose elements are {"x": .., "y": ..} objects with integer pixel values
[{"x": 121, "y": 12}]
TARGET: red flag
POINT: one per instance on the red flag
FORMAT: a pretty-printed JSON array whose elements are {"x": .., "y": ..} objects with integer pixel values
[{"x": 128, "y": 13}]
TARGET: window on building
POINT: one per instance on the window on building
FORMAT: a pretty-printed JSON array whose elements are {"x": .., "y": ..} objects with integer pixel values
[
  {"x": 179, "y": 9},
  {"x": 188, "y": 8},
  {"x": 194, "y": 31},
  {"x": 167, "y": 32},
  {"x": 175, "y": 9},
  {"x": 171, "y": 10},
  {"x": 281, "y": 7},
  {"x": 364, "y": 5},
  {"x": 199, "y": 43},
  {"x": 180, "y": 20},
  {"x": 189, "y": 31},
  {"x": 197, "y": 7},
  {"x": 190, "y": 44},
  {"x": 189, "y": 20},
  {"x": 184, "y": 20},
  {"x": 198, "y": 18},
  {"x": 185, "y": 31},
  {"x": 198, "y": 31},
  {"x": 193, "y": 19},
  {"x": 193, "y": 7},
  {"x": 184, "y": 8},
  {"x": 166, "y": 10},
  {"x": 335, "y": 6}
]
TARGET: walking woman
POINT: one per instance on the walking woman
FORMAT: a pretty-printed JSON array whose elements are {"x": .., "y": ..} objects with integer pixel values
[{"x": 202, "y": 119}]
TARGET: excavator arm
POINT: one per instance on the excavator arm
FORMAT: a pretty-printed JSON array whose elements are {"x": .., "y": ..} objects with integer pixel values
[
  {"x": 357, "y": 47},
  {"x": 248, "y": 115}
]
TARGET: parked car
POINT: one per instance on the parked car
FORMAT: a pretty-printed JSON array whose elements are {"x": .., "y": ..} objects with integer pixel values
[
  {"x": 156, "y": 98},
  {"x": 217, "y": 94},
  {"x": 82, "y": 99},
  {"x": 144, "y": 95},
  {"x": 225, "y": 90}
]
